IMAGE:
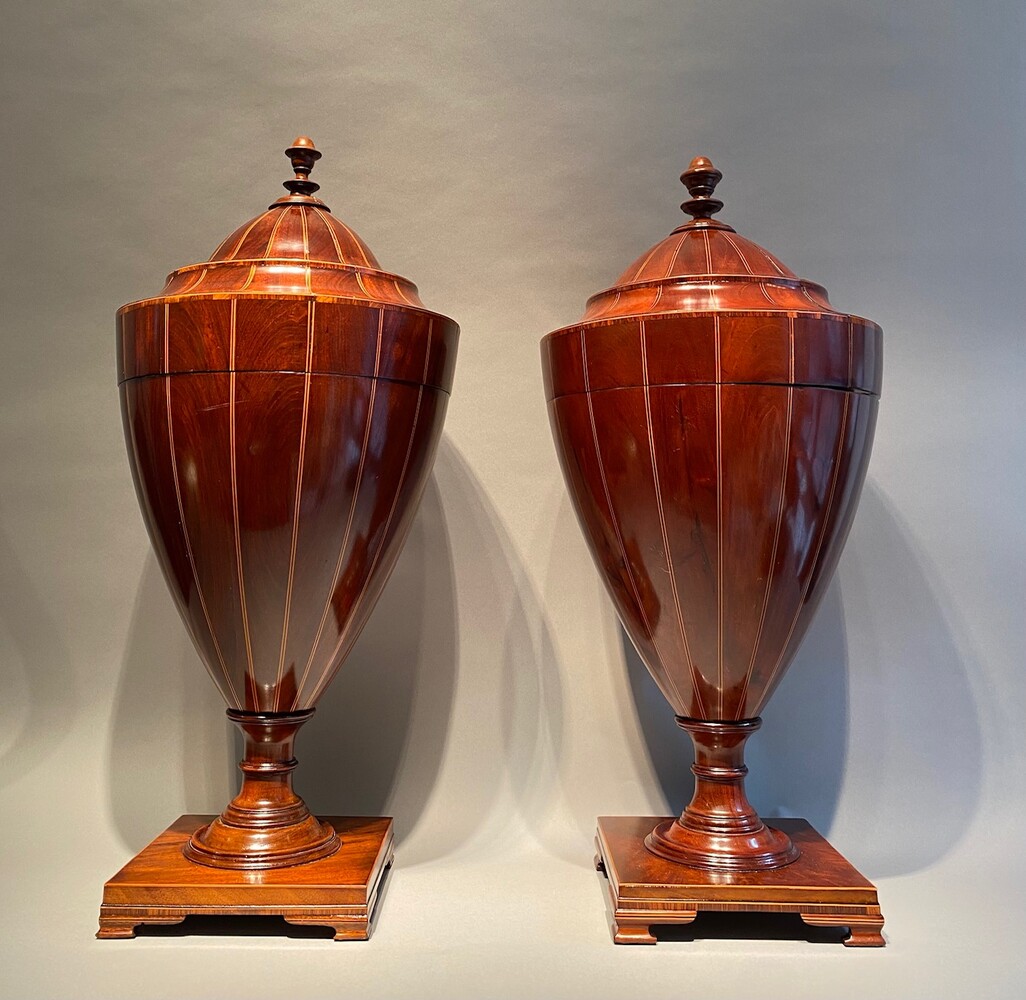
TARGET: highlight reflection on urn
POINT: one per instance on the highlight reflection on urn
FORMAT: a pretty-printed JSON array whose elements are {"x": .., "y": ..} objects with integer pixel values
[
  {"x": 713, "y": 415},
  {"x": 282, "y": 403}
]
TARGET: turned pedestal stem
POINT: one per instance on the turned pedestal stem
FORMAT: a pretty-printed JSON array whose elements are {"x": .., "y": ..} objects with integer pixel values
[
  {"x": 267, "y": 825},
  {"x": 719, "y": 829}
]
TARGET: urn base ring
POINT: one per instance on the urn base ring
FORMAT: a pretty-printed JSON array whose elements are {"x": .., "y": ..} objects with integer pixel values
[
  {"x": 719, "y": 830},
  {"x": 748, "y": 852},
  {"x": 217, "y": 845},
  {"x": 267, "y": 825}
]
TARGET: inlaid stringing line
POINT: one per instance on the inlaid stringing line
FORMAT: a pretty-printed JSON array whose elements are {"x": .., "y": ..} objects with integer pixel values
[
  {"x": 707, "y": 242},
  {"x": 220, "y": 246},
  {"x": 790, "y": 353},
  {"x": 676, "y": 253},
  {"x": 250, "y": 673},
  {"x": 195, "y": 284},
  {"x": 427, "y": 351},
  {"x": 808, "y": 295},
  {"x": 356, "y": 242},
  {"x": 384, "y": 531},
  {"x": 644, "y": 263},
  {"x": 363, "y": 287},
  {"x": 331, "y": 232},
  {"x": 740, "y": 253},
  {"x": 242, "y": 239},
  {"x": 349, "y": 522},
  {"x": 610, "y": 307},
  {"x": 185, "y": 530},
  {"x": 612, "y": 515},
  {"x": 311, "y": 307},
  {"x": 274, "y": 232},
  {"x": 306, "y": 233},
  {"x": 851, "y": 359},
  {"x": 662, "y": 522},
  {"x": 719, "y": 519},
  {"x": 307, "y": 273},
  {"x": 249, "y": 280},
  {"x": 785, "y": 465},
  {"x": 401, "y": 293},
  {"x": 776, "y": 263},
  {"x": 822, "y": 536}
]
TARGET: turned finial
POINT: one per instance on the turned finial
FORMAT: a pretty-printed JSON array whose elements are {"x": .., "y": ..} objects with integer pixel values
[
  {"x": 701, "y": 179},
  {"x": 303, "y": 155}
]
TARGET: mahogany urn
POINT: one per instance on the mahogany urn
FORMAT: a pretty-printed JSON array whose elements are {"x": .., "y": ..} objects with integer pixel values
[
  {"x": 713, "y": 415},
  {"x": 282, "y": 403}
]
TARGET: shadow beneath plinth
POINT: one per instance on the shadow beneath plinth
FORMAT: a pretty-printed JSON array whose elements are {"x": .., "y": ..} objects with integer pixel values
[
  {"x": 749, "y": 927},
  {"x": 277, "y": 927}
]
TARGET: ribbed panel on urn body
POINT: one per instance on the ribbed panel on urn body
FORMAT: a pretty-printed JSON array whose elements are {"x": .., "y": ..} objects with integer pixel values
[
  {"x": 710, "y": 556},
  {"x": 279, "y": 500}
]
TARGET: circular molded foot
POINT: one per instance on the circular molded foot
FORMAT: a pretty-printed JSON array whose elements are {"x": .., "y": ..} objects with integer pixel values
[
  {"x": 220, "y": 845},
  {"x": 736, "y": 852}
]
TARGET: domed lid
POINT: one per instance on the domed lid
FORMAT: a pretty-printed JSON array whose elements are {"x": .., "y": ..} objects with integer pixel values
[
  {"x": 705, "y": 266},
  {"x": 297, "y": 246}
]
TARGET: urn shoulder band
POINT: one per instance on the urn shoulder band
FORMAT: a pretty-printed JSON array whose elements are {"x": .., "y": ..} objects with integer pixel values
[
  {"x": 309, "y": 295},
  {"x": 707, "y": 306}
]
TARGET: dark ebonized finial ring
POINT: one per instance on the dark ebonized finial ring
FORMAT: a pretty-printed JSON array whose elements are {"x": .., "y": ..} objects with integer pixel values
[
  {"x": 303, "y": 155},
  {"x": 701, "y": 179}
]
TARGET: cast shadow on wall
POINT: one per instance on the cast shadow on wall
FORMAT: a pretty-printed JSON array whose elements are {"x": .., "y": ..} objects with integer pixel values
[
  {"x": 374, "y": 745},
  {"x": 890, "y": 746},
  {"x": 35, "y": 672}
]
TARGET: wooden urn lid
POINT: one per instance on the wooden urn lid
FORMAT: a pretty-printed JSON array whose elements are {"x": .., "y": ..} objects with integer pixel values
[
  {"x": 715, "y": 307},
  {"x": 297, "y": 245},
  {"x": 295, "y": 251}
]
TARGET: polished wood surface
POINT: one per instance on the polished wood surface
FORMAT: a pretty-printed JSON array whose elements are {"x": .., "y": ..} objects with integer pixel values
[
  {"x": 160, "y": 886},
  {"x": 645, "y": 891},
  {"x": 267, "y": 825},
  {"x": 282, "y": 403},
  {"x": 713, "y": 415},
  {"x": 719, "y": 829}
]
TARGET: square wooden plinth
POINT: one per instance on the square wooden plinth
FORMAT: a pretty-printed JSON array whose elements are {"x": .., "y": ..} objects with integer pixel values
[
  {"x": 821, "y": 886},
  {"x": 160, "y": 886}
]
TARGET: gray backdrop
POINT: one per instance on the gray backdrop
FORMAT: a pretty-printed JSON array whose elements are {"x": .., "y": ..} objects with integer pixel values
[{"x": 512, "y": 158}]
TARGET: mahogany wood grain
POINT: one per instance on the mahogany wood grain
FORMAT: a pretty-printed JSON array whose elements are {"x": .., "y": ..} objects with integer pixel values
[
  {"x": 161, "y": 886},
  {"x": 713, "y": 415},
  {"x": 646, "y": 891},
  {"x": 282, "y": 404}
]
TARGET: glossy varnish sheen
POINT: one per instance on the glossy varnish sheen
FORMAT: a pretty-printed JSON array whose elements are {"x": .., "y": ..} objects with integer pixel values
[
  {"x": 713, "y": 415},
  {"x": 282, "y": 403},
  {"x": 279, "y": 490},
  {"x": 714, "y": 508}
]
